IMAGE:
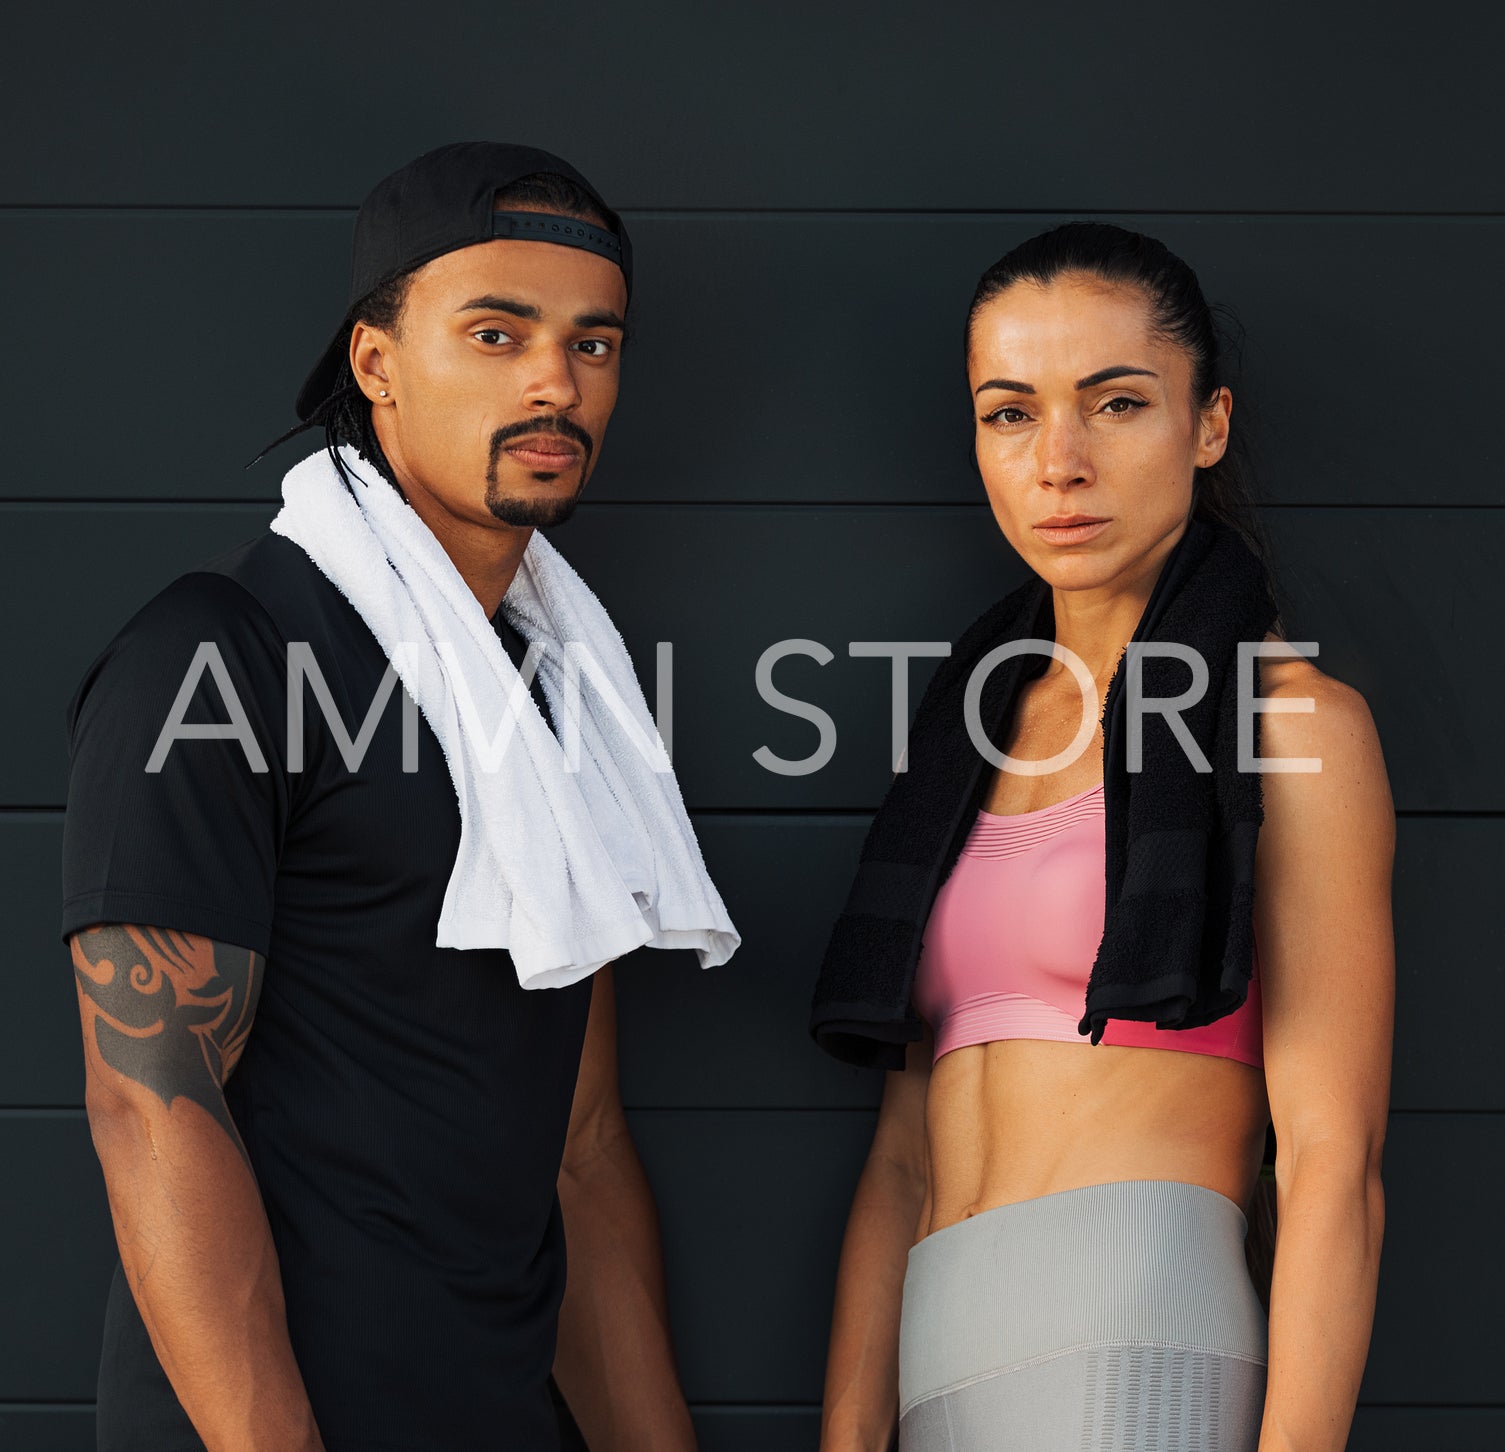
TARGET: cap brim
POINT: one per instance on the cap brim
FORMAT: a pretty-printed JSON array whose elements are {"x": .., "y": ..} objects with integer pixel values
[{"x": 320, "y": 383}]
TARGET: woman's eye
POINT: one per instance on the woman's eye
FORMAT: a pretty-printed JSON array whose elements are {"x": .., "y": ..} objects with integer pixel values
[
  {"x": 491, "y": 335},
  {"x": 1000, "y": 415},
  {"x": 1132, "y": 405},
  {"x": 600, "y": 346}
]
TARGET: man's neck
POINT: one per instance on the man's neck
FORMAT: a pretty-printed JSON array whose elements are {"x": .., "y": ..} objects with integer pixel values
[{"x": 487, "y": 559}]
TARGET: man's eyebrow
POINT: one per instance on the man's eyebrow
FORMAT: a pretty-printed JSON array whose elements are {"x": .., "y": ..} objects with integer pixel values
[
  {"x": 493, "y": 304},
  {"x": 1121, "y": 370},
  {"x": 605, "y": 318},
  {"x": 602, "y": 318}
]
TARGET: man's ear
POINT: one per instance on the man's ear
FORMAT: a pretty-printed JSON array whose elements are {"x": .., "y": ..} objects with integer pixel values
[{"x": 371, "y": 353}]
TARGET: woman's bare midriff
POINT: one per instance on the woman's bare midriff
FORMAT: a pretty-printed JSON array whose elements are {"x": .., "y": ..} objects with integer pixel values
[{"x": 1022, "y": 1118}]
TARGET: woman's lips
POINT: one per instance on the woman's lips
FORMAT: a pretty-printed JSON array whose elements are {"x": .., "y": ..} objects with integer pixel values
[
  {"x": 545, "y": 454},
  {"x": 1069, "y": 534}
]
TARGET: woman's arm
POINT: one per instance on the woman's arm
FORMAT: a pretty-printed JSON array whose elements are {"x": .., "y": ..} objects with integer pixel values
[
  {"x": 862, "y": 1369},
  {"x": 615, "y": 1362},
  {"x": 1327, "y": 963}
]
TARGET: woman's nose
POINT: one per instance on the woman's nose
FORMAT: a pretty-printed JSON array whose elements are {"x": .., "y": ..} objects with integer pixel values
[{"x": 1062, "y": 454}]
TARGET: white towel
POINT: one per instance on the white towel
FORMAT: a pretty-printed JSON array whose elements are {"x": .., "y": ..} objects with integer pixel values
[{"x": 567, "y": 869}]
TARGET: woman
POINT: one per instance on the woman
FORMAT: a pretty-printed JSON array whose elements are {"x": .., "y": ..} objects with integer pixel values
[{"x": 1045, "y": 1248}]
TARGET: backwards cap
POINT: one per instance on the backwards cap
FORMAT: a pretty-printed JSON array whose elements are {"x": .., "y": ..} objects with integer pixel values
[{"x": 444, "y": 201}]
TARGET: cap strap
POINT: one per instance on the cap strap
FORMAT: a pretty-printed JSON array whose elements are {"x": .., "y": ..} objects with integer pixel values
[{"x": 551, "y": 227}]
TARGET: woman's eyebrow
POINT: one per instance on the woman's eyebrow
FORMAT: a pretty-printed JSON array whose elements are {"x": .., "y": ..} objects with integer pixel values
[
  {"x": 1121, "y": 370},
  {"x": 1104, "y": 374}
]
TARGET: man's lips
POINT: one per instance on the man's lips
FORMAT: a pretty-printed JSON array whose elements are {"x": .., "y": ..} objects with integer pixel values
[{"x": 544, "y": 451}]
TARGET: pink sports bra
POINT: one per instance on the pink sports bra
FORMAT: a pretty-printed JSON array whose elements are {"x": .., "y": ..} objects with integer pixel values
[{"x": 1013, "y": 933}]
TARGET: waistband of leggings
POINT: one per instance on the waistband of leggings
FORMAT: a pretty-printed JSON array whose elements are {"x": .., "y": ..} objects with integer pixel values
[
  {"x": 1099, "y": 1204},
  {"x": 1131, "y": 1262}
]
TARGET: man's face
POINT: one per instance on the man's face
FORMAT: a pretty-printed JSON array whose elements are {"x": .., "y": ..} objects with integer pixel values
[{"x": 500, "y": 380}]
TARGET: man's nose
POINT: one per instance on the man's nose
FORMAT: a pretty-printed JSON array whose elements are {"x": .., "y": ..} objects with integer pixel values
[{"x": 550, "y": 380}]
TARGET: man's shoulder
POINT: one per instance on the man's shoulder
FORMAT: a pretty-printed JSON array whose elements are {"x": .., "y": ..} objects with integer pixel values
[
  {"x": 265, "y": 587},
  {"x": 276, "y": 573},
  {"x": 247, "y": 603}
]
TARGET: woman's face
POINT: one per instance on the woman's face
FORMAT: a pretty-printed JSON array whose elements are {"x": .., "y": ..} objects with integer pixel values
[{"x": 1082, "y": 411}]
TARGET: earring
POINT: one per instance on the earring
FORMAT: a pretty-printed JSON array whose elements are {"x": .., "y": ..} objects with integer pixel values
[{"x": 383, "y": 392}]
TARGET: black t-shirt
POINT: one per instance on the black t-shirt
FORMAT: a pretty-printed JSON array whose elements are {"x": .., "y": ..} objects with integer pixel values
[{"x": 404, "y": 1106}]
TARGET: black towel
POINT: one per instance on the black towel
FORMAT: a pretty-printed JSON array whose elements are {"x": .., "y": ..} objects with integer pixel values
[{"x": 1177, "y": 944}]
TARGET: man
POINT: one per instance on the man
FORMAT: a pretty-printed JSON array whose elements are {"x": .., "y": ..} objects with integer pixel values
[{"x": 342, "y": 1141}]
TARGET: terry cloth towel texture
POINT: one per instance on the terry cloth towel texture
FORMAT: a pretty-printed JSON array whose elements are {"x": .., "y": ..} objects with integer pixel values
[
  {"x": 1177, "y": 944},
  {"x": 566, "y": 863}
]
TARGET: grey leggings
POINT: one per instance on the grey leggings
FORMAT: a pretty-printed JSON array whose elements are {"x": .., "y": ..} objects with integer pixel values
[{"x": 1114, "y": 1317}]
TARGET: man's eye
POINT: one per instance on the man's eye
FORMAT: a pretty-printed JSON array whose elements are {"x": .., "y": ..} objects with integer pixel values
[
  {"x": 492, "y": 335},
  {"x": 600, "y": 345}
]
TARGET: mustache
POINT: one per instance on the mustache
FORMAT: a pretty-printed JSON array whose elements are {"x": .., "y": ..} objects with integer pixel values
[{"x": 555, "y": 424}]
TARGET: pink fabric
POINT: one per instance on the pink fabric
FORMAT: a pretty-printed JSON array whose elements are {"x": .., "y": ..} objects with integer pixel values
[{"x": 1013, "y": 933}]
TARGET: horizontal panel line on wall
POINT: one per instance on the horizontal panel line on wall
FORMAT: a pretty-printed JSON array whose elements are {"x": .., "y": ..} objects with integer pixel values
[
  {"x": 701, "y": 1406},
  {"x": 1227, "y": 214},
  {"x": 73, "y": 1111},
  {"x": 1386, "y": 1406},
  {"x": 50, "y": 813},
  {"x": 84, "y": 501},
  {"x": 788, "y": 813},
  {"x": 734, "y": 213},
  {"x": 1443, "y": 815},
  {"x": 780, "y": 813}
]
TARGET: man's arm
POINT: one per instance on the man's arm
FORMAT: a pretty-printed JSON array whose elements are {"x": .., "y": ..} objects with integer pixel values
[
  {"x": 615, "y": 1362},
  {"x": 165, "y": 1016}
]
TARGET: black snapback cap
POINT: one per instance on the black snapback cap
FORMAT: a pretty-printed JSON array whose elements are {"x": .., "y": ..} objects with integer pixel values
[{"x": 443, "y": 201}]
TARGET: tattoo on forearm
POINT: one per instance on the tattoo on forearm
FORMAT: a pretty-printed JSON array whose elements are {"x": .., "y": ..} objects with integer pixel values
[{"x": 173, "y": 1009}]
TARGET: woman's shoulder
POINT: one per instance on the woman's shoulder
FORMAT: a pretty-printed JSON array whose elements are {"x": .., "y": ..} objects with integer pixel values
[
  {"x": 1339, "y": 712},
  {"x": 1336, "y": 729}
]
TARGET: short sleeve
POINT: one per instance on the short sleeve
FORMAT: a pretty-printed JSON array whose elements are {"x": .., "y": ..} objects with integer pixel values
[{"x": 167, "y": 824}]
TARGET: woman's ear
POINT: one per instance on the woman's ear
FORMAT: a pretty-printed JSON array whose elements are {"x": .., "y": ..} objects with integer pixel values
[{"x": 1213, "y": 426}]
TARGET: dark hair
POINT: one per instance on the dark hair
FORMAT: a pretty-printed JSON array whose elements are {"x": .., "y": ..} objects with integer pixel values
[
  {"x": 382, "y": 307},
  {"x": 1226, "y": 491}
]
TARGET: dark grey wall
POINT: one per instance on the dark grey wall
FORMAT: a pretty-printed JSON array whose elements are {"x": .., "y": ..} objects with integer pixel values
[{"x": 813, "y": 190}]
